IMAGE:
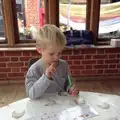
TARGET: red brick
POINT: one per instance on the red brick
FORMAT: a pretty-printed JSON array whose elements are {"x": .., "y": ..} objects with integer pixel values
[
  {"x": 64, "y": 57},
  {"x": 69, "y": 62},
  {"x": 76, "y": 57},
  {"x": 111, "y": 71},
  {"x": 19, "y": 79},
  {"x": 24, "y": 69},
  {"x": 34, "y": 54},
  {"x": 76, "y": 75},
  {"x": 25, "y": 63},
  {"x": 112, "y": 56},
  {"x": 88, "y": 56},
  {"x": 3, "y": 75},
  {"x": 15, "y": 69},
  {"x": 15, "y": 64},
  {"x": 118, "y": 65},
  {"x": 76, "y": 62},
  {"x": 67, "y": 52},
  {"x": 88, "y": 51},
  {"x": 2, "y": 65},
  {"x": 89, "y": 62},
  {"x": 24, "y": 58},
  {"x": 88, "y": 72},
  {"x": 76, "y": 52},
  {"x": 100, "y": 51},
  {"x": 112, "y": 61},
  {"x": 88, "y": 67},
  {"x": 14, "y": 58},
  {"x": 4, "y": 59},
  {"x": 99, "y": 56},
  {"x": 76, "y": 67},
  {"x": 100, "y": 66},
  {"x": 5, "y": 70},
  {"x": 100, "y": 61},
  {"x": 15, "y": 74},
  {"x": 112, "y": 66},
  {"x": 118, "y": 55},
  {"x": 26, "y": 53},
  {"x": 99, "y": 71},
  {"x": 76, "y": 72},
  {"x": 112, "y": 50},
  {"x": 1, "y": 53},
  {"x": 13, "y": 53}
]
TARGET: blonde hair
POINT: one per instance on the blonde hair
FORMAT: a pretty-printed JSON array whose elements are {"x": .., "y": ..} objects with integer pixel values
[{"x": 50, "y": 35}]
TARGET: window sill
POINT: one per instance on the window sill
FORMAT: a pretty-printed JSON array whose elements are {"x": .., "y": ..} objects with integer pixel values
[
  {"x": 30, "y": 48},
  {"x": 89, "y": 46},
  {"x": 18, "y": 49}
]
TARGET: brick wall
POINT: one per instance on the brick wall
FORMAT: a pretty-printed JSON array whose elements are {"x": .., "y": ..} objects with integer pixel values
[
  {"x": 83, "y": 62},
  {"x": 32, "y": 13}
]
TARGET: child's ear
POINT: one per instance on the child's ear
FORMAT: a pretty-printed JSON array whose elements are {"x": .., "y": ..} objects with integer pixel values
[{"x": 38, "y": 50}]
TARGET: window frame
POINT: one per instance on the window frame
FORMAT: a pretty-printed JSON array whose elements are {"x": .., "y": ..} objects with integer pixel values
[{"x": 51, "y": 17}]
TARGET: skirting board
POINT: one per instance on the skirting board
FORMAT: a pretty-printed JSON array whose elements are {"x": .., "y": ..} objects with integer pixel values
[{"x": 94, "y": 78}]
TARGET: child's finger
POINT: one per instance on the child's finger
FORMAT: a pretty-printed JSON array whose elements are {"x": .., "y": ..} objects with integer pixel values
[
  {"x": 53, "y": 70},
  {"x": 54, "y": 64},
  {"x": 71, "y": 89},
  {"x": 75, "y": 91}
]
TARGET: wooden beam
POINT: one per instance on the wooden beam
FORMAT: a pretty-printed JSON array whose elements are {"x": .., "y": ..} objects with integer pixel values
[
  {"x": 57, "y": 13},
  {"x": 54, "y": 12},
  {"x": 94, "y": 18},
  {"x": 46, "y": 11},
  {"x": 88, "y": 11},
  {"x": 15, "y": 22},
  {"x": 9, "y": 22}
]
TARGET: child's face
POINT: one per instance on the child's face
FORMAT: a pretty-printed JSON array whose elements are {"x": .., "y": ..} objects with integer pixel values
[{"x": 51, "y": 54}]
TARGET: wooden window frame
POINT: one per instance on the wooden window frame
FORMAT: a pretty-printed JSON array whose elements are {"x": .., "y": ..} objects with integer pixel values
[
  {"x": 51, "y": 17},
  {"x": 92, "y": 18},
  {"x": 11, "y": 25}
]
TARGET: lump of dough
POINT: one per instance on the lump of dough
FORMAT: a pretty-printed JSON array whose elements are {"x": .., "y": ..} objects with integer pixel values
[
  {"x": 104, "y": 105},
  {"x": 18, "y": 113}
]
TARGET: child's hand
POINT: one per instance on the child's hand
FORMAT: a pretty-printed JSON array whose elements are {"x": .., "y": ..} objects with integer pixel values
[
  {"x": 73, "y": 90},
  {"x": 50, "y": 70}
]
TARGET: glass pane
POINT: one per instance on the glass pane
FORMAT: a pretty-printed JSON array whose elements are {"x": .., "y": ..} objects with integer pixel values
[
  {"x": 72, "y": 14},
  {"x": 109, "y": 25},
  {"x": 1, "y": 24},
  {"x": 30, "y": 15}
]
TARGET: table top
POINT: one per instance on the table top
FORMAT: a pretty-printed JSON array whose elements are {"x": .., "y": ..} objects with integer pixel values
[{"x": 54, "y": 103}]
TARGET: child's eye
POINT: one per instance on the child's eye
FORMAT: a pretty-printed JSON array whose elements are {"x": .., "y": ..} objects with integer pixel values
[
  {"x": 59, "y": 53},
  {"x": 54, "y": 53},
  {"x": 51, "y": 53}
]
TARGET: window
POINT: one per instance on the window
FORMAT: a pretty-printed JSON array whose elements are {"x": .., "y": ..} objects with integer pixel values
[
  {"x": 109, "y": 24},
  {"x": 20, "y": 17},
  {"x": 72, "y": 14},
  {"x": 30, "y": 16},
  {"x": 2, "y": 36}
]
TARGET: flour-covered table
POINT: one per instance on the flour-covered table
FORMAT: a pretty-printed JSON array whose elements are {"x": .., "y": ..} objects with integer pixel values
[{"x": 92, "y": 106}]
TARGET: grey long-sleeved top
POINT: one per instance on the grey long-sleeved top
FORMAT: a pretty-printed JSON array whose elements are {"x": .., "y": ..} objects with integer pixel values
[{"x": 36, "y": 82}]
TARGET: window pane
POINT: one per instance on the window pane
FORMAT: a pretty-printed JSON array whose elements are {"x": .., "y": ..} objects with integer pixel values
[
  {"x": 72, "y": 14},
  {"x": 109, "y": 25},
  {"x": 30, "y": 15},
  {"x": 1, "y": 24}
]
